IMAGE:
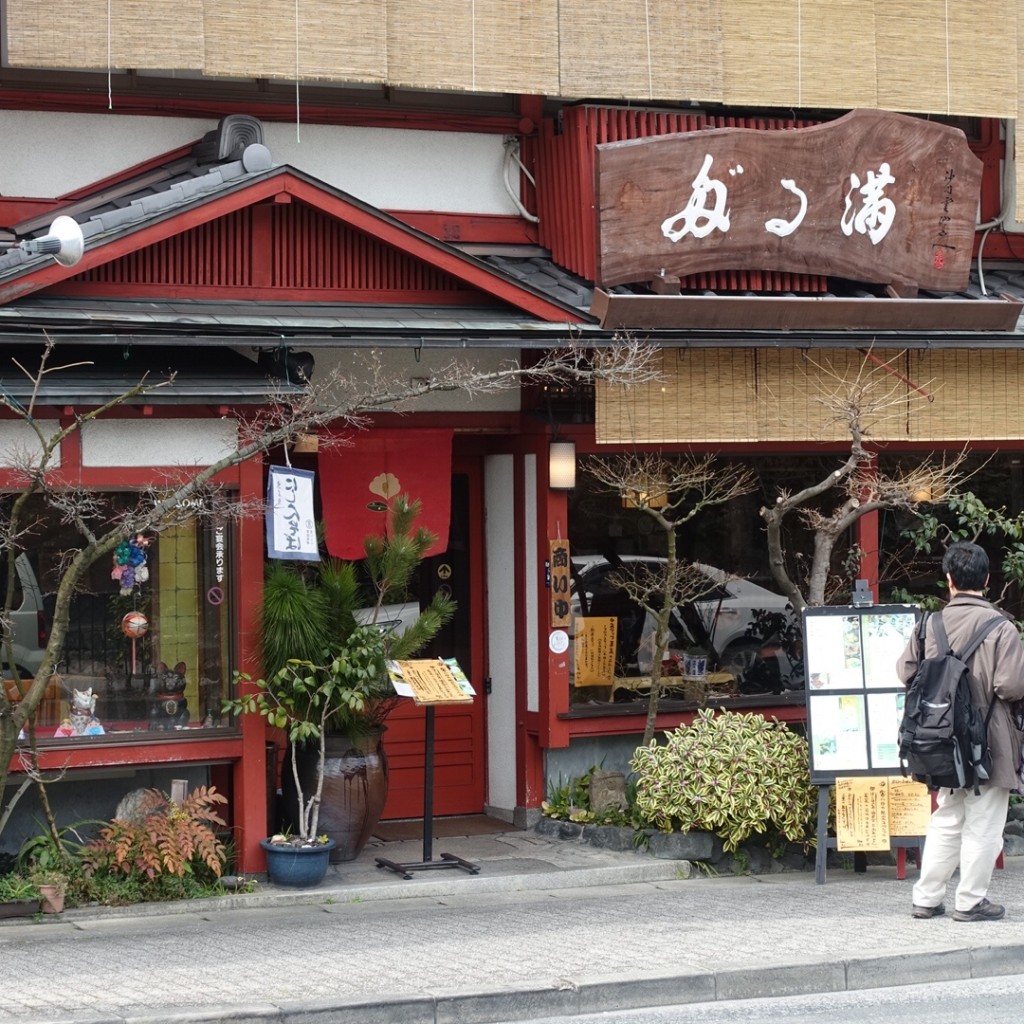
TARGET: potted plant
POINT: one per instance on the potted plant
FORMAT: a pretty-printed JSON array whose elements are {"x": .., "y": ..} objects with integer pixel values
[
  {"x": 52, "y": 886},
  {"x": 18, "y": 896},
  {"x": 326, "y": 635},
  {"x": 301, "y": 699}
]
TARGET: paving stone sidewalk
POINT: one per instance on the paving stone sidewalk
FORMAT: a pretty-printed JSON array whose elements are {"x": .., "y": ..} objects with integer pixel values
[{"x": 547, "y": 927}]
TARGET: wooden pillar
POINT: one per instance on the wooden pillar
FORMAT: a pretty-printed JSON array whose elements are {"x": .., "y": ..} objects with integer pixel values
[{"x": 250, "y": 774}]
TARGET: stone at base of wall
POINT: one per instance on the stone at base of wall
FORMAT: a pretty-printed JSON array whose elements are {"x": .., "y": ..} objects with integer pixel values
[{"x": 704, "y": 848}]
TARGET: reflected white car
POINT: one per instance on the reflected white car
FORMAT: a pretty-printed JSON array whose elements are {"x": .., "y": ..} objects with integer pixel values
[{"x": 726, "y": 613}]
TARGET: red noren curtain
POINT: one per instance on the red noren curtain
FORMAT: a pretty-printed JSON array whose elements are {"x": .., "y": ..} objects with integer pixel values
[{"x": 356, "y": 483}]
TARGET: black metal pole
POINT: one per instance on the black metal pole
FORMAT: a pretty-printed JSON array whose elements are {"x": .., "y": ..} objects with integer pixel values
[{"x": 428, "y": 787}]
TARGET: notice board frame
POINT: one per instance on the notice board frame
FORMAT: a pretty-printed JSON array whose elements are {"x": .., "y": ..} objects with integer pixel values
[{"x": 840, "y": 680}]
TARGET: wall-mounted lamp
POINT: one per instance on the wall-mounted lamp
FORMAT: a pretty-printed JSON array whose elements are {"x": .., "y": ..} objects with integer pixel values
[
  {"x": 562, "y": 465},
  {"x": 64, "y": 242}
]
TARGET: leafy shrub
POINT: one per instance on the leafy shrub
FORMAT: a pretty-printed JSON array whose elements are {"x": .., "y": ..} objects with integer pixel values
[
  {"x": 570, "y": 801},
  {"x": 730, "y": 774},
  {"x": 173, "y": 840},
  {"x": 16, "y": 888}
]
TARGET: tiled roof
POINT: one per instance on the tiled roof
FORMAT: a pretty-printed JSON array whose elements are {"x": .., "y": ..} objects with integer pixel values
[{"x": 203, "y": 377}]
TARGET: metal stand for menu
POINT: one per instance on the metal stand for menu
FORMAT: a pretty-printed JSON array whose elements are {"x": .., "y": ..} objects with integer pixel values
[{"x": 448, "y": 860}]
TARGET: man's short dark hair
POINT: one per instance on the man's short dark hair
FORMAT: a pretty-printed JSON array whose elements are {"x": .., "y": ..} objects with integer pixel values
[{"x": 966, "y": 564}]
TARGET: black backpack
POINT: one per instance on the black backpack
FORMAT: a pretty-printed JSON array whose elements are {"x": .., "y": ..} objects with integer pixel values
[{"x": 943, "y": 737}]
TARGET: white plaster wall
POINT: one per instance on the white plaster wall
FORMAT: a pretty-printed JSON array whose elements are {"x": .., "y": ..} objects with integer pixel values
[
  {"x": 398, "y": 168},
  {"x": 48, "y": 154},
  {"x": 184, "y": 442},
  {"x": 532, "y": 582},
  {"x": 19, "y": 443},
  {"x": 398, "y": 366},
  {"x": 499, "y": 533}
]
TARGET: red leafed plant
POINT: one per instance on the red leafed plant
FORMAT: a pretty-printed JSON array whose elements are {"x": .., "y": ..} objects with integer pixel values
[{"x": 169, "y": 840}]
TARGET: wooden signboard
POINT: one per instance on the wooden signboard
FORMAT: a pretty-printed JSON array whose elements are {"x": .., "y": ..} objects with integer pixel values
[
  {"x": 871, "y": 196},
  {"x": 559, "y": 575},
  {"x": 430, "y": 681}
]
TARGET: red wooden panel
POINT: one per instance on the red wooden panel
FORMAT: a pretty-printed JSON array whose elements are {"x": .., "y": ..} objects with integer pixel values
[
  {"x": 458, "y": 761},
  {"x": 302, "y": 252}
]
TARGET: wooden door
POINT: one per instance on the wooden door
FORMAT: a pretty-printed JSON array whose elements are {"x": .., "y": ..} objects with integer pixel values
[{"x": 459, "y": 739}]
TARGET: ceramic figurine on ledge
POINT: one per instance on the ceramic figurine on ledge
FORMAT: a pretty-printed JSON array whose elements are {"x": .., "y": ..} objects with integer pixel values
[
  {"x": 168, "y": 708},
  {"x": 81, "y": 720}
]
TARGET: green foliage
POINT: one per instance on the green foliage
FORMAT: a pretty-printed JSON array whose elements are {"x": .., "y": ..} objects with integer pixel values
[
  {"x": 15, "y": 888},
  {"x": 57, "y": 879},
  {"x": 174, "y": 839},
  {"x": 305, "y": 610},
  {"x": 570, "y": 801},
  {"x": 967, "y": 517},
  {"x": 730, "y": 774},
  {"x": 44, "y": 853}
]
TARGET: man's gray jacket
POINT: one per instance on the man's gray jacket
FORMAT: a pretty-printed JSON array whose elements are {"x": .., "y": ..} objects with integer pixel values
[{"x": 997, "y": 666}]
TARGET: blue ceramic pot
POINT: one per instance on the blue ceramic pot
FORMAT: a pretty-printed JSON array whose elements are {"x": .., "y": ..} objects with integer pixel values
[{"x": 298, "y": 866}]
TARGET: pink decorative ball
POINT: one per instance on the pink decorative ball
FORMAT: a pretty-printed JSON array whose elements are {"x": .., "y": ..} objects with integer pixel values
[{"x": 135, "y": 624}]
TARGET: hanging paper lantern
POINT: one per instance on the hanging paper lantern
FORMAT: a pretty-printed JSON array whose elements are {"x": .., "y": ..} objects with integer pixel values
[{"x": 135, "y": 624}]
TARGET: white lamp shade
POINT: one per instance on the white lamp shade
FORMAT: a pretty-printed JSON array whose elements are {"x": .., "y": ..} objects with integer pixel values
[{"x": 562, "y": 465}]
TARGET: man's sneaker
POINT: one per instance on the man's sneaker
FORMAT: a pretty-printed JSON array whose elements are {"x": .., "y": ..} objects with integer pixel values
[
  {"x": 981, "y": 911},
  {"x": 928, "y": 911}
]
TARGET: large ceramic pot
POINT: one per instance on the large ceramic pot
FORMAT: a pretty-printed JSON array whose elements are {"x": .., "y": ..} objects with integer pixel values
[
  {"x": 299, "y": 866},
  {"x": 354, "y": 793}
]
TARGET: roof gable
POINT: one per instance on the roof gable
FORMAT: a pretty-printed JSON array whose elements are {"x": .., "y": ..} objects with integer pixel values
[{"x": 260, "y": 232}]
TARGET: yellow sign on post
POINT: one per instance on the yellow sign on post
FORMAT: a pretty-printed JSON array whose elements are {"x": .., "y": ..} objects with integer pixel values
[{"x": 430, "y": 681}]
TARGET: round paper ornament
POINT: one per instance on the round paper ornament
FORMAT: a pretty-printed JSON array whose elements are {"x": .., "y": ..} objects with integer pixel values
[{"x": 135, "y": 624}]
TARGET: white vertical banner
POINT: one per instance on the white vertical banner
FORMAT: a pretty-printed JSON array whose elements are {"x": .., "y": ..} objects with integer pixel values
[{"x": 291, "y": 528}]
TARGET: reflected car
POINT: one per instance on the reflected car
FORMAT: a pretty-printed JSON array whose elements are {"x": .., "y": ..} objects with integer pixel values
[
  {"x": 733, "y": 618},
  {"x": 29, "y": 621}
]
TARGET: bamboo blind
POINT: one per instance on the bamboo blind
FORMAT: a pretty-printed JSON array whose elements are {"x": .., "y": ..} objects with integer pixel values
[
  {"x": 150, "y": 34},
  {"x": 953, "y": 58},
  {"x": 339, "y": 40},
  {"x": 650, "y": 50},
  {"x": 956, "y": 57},
  {"x": 1011, "y": 129},
  {"x": 752, "y": 395},
  {"x": 477, "y": 45}
]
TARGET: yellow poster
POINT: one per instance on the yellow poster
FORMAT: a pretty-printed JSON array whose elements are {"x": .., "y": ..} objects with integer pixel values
[
  {"x": 594, "y": 650},
  {"x": 910, "y": 807},
  {"x": 862, "y": 813}
]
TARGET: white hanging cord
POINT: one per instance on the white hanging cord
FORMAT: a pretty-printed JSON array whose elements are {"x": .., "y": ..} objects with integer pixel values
[
  {"x": 647, "y": 29},
  {"x": 298, "y": 107},
  {"x": 473, "y": 38},
  {"x": 110, "y": 88},
  {"x": 799, "y": 54},
  {"x": 949, "y": 103}
]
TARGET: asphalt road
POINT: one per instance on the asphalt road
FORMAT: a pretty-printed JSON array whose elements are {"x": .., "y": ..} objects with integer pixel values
[{"x": 982, "y": 1001}]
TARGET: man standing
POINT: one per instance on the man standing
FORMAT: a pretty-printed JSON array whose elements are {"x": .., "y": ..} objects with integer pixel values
[{"x": 967, "y": 829}]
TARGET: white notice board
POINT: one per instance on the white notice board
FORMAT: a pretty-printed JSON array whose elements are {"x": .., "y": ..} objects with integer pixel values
[{"x": 854, "y": 697}]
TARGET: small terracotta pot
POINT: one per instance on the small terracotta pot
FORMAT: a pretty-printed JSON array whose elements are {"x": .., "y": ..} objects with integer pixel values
[{"x": 51, "y": 899}]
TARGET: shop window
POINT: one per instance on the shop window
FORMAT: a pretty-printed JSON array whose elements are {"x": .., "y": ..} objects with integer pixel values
[
  {"x": 148, "y": 647},
  {"x": 737, "y": 618}
]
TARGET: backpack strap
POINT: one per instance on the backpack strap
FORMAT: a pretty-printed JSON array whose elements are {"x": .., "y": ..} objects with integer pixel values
[
  {"x": 975, "y": 641},
  {"x": 939, "y": 632}
]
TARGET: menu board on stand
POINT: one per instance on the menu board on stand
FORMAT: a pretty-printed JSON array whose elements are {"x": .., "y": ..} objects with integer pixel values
[{"x": 854, "y": 708}]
